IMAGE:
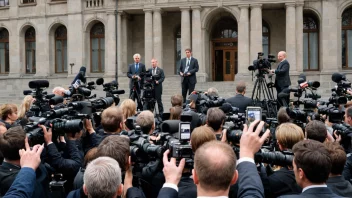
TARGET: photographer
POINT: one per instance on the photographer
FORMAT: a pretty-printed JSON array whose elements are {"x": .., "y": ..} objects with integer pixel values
[
  {"x": 68, "y": 165},
  {"x": 193, "y": 109},
  {"x": 60, "y": 91},
  {"x": 9, "y": 116},
  {"x": 11, "y": 142},
  {"x": 215, "y": 120},
  {"x": 240, "y": 101},
  {"x": 146, "y": 121},
  {"x": 316, "y": 130},
  {"x": 336, "y": 182},
  {"x": 176, "y": 100},
  {"x": 282, "y": 80},
  {"x": 282, "y": 181},
  {"x": 158, "y": 77}
]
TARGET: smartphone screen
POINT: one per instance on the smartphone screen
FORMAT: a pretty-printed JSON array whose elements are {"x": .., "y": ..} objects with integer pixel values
[
  {"x": 253, "y": 113},
  {"x": 185, "y": 131}
]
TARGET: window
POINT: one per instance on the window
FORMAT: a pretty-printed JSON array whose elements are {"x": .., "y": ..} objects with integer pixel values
[
  {"x": 4, "y": 51},
  {"x": 225, "y": 28},
  {"x": 4, "y": 3},
  {"x": 266, "y": 39},
  {"x": 30, "y": 50},
  {"x": 178, "y": 50},
  {"x": 346, "y": 39},
  {"x": 61, "y": 50},
  {"x": 310, "y": 44},
  {"x": 97, "y": 46},
  {"x": 28, "y": 1}
]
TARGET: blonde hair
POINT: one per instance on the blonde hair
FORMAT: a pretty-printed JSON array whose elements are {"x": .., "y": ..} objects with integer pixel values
[
  {"x": 7, "y": 109},
  {"x": 288, "y": 134},
  {"x": 128, "y": 107},
  {"x": 25, "y": 105}
]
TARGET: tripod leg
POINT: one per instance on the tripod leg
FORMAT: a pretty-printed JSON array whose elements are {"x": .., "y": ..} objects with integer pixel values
[{"x": 139, "y": 102}]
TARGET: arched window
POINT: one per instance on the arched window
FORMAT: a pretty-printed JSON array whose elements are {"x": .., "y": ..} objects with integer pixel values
[
  {"x": 225, "y": 28},
  {"x": 310, "y": 43},
  {"x": 346, "y": 38},
  {"x": 266, "y": 39},
  {"x": 30, "y": 50},
  {"x": 4, "y": 51},
  {"x": 61, "y": 49},
  {"x": 178, "y": 53},
  {"x": 97, "y": 46}
]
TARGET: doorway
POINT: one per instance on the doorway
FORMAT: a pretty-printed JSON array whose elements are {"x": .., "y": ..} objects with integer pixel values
[{"x": 224, "y": 61}]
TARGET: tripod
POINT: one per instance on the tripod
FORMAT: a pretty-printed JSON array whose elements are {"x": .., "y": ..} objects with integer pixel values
[
  {"x": 150, "y": 101},
  {"x": 263, "y": 95},
  {"x": 135, "y": 95}
]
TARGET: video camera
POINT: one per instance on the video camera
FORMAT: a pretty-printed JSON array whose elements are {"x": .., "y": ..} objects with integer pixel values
[
  {"x": 111, "y": 89},
  {"x": 261, "y": 64}
]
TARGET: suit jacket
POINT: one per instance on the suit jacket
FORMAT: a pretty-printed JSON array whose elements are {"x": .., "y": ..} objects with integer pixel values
[
  {"x": 193, "y": 68},
  {"x": 340, "y": 186},
  {"x": 132, "y": 71},
  {"x": 23, "y": 184},
  {"x": 168, "y": 192},
  {"x": 283, "y": 75},
  {"x": 249, "y": 183},
  {"x": 187, "y": 188},
  {"x": 159, "y": 76},
  {"x": 321, "y": 192},
  {"x": 240, "y": 101}
]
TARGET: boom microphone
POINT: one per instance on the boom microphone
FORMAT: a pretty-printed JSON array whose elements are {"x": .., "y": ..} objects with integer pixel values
[
  {"x": 37, "y": 84},
  {"x": 100, "y": 81},
  {"x": 337, "y": 77}
]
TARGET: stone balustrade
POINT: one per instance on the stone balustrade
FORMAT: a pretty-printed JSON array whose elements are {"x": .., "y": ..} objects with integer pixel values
[{"x": 94, "y": 3}]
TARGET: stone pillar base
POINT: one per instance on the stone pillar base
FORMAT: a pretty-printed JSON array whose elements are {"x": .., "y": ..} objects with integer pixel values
[{"x": 202, "y": 77}]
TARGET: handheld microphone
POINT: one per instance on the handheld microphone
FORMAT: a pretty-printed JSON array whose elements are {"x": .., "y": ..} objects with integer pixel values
[{"x": 337, "y": 77}]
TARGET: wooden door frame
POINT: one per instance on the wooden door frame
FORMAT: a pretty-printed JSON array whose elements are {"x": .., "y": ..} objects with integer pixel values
[
  {"x": 232, "y": 62},
  {"x": 214, "y": 48}
]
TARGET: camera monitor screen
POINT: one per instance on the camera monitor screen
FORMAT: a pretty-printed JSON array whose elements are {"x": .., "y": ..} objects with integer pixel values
[
  {"x": 254, "y": 113},
  {"x": 185, "y": 131}
]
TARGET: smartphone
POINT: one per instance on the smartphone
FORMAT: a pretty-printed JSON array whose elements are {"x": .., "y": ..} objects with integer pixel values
[
  {"x": 253, "y": 113},
  {"x": 184, "y": 131}
]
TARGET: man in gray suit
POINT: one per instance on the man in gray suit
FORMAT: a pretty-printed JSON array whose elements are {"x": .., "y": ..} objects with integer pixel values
[
  {"x": 189, "y": 67},
  {"x": 134, "y": 71},
  {"x": 282, "y": 80}
]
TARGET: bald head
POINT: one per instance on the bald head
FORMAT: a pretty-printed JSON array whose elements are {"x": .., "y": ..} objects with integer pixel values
[
  {"x": 281, "y": 56},
  {"x": 215, "y": 165}
]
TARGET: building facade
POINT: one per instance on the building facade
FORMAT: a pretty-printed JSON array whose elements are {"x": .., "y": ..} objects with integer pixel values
[{"x": 53, "y": 38}]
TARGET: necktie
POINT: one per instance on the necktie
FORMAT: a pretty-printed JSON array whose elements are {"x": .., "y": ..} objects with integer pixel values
[
  {"x": 154, "y": 71},
  {"x": 137, "y": 67},
  {"x": 187, "y": 67}
]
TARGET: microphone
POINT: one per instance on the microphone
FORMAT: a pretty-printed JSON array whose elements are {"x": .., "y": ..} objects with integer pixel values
[
  {"x": 100, "y": 81},
  {"x": 301, "y": 80},
  {"x": 111, "y": 84},
  {"x": 37, "y": 84},
  {"x": 27, "y": 92},
  {"x": 118, "y": 92},
  {"x": 302, "y": 76},
  {"x": 91, "y": 83},
  {"x": 81, "y": 75},
  {"x": 337, "y": 77}
]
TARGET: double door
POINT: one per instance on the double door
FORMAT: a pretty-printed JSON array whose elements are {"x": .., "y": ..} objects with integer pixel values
[{"x": 224, "y": 64}]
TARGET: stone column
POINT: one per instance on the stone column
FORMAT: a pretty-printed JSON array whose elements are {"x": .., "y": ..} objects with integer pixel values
[
  {"x": 158, "y": 36},
  {"x": 299, "y": 36},
  {"x": 185, "y": 29},
  {"x": 243, "y": 40},
  {"x": 329, "y": 36},
  {"x": 119, "y": 43},
  {"x": 110, "y": 45},
  {"x": 291, "y": 35},
  {"x": 124, "y": 35},
  {"x": 41, "y": 51},
  {"x": 256, "y": 31},
  {"x": 148, "y": 36},
  {"x": 75, "y": 41},
  {"x": 197, "y": 44}
]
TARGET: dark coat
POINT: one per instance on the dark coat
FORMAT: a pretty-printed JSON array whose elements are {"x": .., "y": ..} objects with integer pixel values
[
  {"x": 132, "y": 71},
  {"x": 249, "y": 183},
  {"x": 282, "y": 72},
  {"x": 320, "y": 192},
  {"x": 340, "y": 186},
  {"x": 193, "y": 68},
  {"x": 240, "y": 101},
  {"x": 159, "y": 76}
]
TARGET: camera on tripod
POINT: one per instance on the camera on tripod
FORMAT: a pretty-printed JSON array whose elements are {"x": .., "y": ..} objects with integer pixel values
[{"x": 262, "y": 64}]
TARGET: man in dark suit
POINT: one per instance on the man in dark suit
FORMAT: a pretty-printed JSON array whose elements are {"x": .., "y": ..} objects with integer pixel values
[
  {"x": 158, "y": 76},
  {"x": 240, "y": 101},
  {"x": 282, "y": 72},
  {"x": 336, "y": 181},
  {"x": 312, "y": 165},
  {"x": 134, "y": 71},
  {"x": 189, "y": 67}
]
